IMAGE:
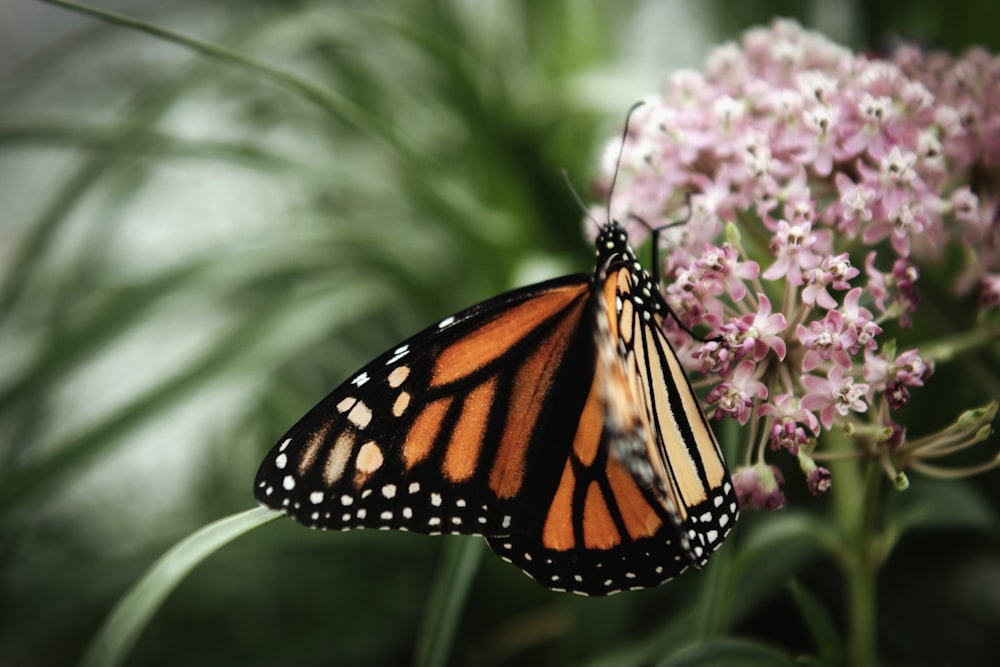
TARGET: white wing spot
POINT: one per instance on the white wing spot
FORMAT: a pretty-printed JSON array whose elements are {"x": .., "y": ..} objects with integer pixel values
[
  {"x": 346, "y": 404},
  {"x": 414, "y": 487},
  {"x": 360, "y": 415},
  {"x": 460, "y": 502},
  {"x": 365, "y": 493},
  {"x": 630, "y": 575},
  {"x": 369, "y": 458},
  {"x": 389, "y": 490},
  {"x": 706, "y": 517},
  {"x": 436, "y": 499},
  {"x": 288, "y": 483},
  {"x": 446, "y": 322},
  {"x": 506, "y": 521},
  {"x": 407, "y": 512},
  {"x": 457, "y": 520},
  {"x": 712, "y": 535},
  {"x": 362, "y": 513},
  {"x": 280, "y": 461},
  {"x": 397, "y": 376},
  {"x": 346, "y": 500},
  {"x": 316, "y": 497},
  {"x": 386, "y": 515},
  {"x": 285, "y": 444},
  {"x": 434, "y": 521},
  {"x": 269, "y": 490},
  {"x": 398, "y": 354},
  {"x": 314, "y": 516},
  {"x": 400, "y": 404},
  {"x": 718, "y": 501},
  {"x": 345, "y": 517},
  {"x": 361, "y": 379},
  {"x": 481, "y": 519}
]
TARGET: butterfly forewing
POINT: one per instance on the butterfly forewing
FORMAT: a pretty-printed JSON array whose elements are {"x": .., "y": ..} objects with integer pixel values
[
  {"x": 556, "y": 420},
  {"x": 439, "y": 433}
]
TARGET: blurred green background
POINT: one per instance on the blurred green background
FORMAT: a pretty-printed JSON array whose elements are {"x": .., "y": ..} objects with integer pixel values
[{"x": 192, "y": 254}]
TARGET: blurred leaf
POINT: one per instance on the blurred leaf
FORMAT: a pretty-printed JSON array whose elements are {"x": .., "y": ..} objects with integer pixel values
[
  {"x": 824, "y": 634},
  {"x": 121, "y": 629},
  {"x": 730, "y": 653},
  {"x": 447, "y": 601},
  {"x": 936, "y": 505}
]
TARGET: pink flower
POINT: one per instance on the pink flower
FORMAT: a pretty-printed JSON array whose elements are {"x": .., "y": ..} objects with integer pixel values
[
  {"x": 792, "y": 247},
  {"x": 735, "y": 397},
  {"x": 755, "y": 333},
  {"x": 793, "y": 154},
  {"x": 860, "y": 321},
  {"x": 759, "y": 488},
  {"x": 827, "y": 339},
  {"x": 787, "y": 431},
  {"x": 723, "y": 265},
  {"x": 819, "y": 481},
  {"x": 837, "y": 393}
]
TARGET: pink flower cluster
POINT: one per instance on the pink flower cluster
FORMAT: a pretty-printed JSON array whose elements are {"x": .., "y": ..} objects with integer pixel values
[{"x": 818, "y": 181}]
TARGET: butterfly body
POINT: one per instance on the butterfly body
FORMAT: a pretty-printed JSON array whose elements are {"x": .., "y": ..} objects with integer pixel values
[{"x": 555, "y": 420}]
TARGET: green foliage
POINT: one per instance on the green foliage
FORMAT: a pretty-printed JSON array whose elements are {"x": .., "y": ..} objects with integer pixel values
[{"x": 213, "y": 216}]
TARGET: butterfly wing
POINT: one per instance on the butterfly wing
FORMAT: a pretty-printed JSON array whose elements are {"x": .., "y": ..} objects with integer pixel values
[
  {"x": 456, "y": 430},
  {"x": 644, "y": 492}
]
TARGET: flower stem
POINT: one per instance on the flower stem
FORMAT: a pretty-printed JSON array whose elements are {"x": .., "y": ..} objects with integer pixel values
[{"x": 856, "y": 498}]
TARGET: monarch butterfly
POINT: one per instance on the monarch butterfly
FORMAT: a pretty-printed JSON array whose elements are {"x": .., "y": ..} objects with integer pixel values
[{"x": 555, "y": 420}]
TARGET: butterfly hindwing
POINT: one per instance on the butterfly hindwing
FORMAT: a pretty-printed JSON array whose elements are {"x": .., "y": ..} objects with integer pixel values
[{"x": 636, "y": 504}]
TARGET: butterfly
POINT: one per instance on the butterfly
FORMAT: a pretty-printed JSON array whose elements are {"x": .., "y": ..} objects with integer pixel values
[{"x": 555, "y": 420}]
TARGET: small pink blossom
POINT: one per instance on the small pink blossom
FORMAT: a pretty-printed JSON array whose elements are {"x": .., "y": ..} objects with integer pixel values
[
  {"x": 819, "y": 481},
  {"x": 759, "y": 488},
  {"x": 735, "y": 397},
  {"x": 756, "y": 333},
  {"x": 792, "y": 247},
  {"x": 723, "y": 265},
  {"x": 860, "y": 320},
  {"x": 837, "y": 393},
  {"x": 788, "y": 432},
  {"x": 826, "y": 339}
]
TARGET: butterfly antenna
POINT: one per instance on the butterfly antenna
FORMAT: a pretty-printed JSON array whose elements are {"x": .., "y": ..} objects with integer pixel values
[
  {"x": 578, "y": 199},
  {"x": 618, "y": 160}
]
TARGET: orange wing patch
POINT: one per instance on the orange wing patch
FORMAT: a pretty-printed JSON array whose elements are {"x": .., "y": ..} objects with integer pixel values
[
  {"x": 495, "y": 338},
  {"x": 599, "y": 531},
  {"x": 558, "y": 531},
  {"x": 462, "y": 455},
  {"x": 639, "y": 517},
  {"x": 420, "y": 438},
  {"x": 532, "y": 385}
]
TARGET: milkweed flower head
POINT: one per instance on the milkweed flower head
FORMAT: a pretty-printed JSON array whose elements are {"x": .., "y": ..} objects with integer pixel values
[{"x": 818, "y": 186}]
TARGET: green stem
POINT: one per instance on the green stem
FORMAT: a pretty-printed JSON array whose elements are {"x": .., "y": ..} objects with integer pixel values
[{"x": 856, "y": 498}]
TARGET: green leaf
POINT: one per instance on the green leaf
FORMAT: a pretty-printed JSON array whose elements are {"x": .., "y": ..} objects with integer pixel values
[
  {"x": 122, "y": 627},
  {"x": 934, "y": 505},
  {"x": 459, "y": 565},
  {"x": 820, "y": 625}
]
